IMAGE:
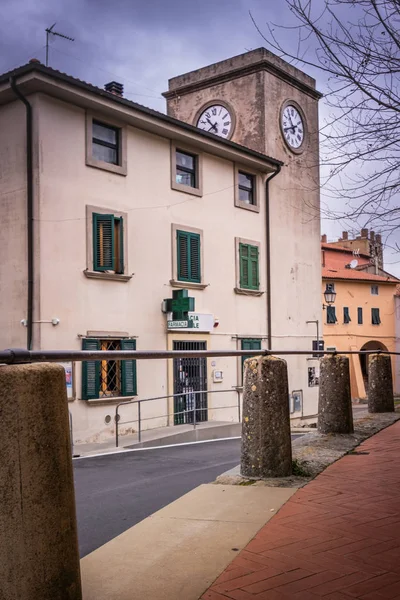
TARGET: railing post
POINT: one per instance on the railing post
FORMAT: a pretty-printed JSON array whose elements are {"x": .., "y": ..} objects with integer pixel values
[
  {"x": 116, "y": 426},
  {"x": 238, "y": 399},
  {"x": 39, "y": 555},
  {"x": 139, "y": 422},
  {"x": 380, "y": 384},
  {"x": 194, "y": 412},
  {"x": 266, "y": 440},
  {"x": 335, "y": 414}
]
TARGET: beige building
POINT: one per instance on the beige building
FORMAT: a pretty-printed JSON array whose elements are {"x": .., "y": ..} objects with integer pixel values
[{"x": 130, "y": 229}]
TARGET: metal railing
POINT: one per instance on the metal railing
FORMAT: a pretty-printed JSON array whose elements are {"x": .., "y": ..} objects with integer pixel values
[
  {"x": 191, "y": 411},
  {"x": 18, "y": 356}
]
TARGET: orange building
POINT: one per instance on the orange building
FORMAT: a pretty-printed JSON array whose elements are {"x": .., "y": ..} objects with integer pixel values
[{"x": 363, "y": 314}]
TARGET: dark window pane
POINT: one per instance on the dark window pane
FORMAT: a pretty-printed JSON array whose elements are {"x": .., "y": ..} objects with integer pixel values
[
  {"x": 104, "y": 133},
  {"x": 185, "y": 160},
  {"x": 360, "y": 315},
  {"x": 245, "y": 196},
  {"x": 104, "y": 153},
  {"x": 185, "y": 178},
  {"x": 246, "y": 181}
]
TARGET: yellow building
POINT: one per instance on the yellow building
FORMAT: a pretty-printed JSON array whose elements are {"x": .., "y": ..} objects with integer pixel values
[{"x": 362, "y": 316}]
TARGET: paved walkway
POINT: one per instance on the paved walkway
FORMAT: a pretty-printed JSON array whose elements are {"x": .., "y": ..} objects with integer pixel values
[{"x": 338, "y": 538}]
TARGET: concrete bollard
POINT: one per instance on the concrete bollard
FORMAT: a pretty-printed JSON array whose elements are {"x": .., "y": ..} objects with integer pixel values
[
  {"x": 266, "y": 440},
  {"x": 39, "y": 558},
  {"x": 380, "y": 384},
  {"x": 335, "y": 413}
]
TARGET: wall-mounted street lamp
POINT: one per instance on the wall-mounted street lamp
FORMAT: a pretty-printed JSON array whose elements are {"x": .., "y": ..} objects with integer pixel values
[{"x": 329, "y": 295}]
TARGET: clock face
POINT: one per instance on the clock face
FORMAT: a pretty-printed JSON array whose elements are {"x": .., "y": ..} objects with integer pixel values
[
  {"x": 216, "y": 119},
  {"x": 292, "y": 126}
]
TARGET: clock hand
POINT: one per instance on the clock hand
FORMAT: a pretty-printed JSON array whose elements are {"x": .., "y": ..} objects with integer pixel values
[
  {"x": 287, "y": 128},
  {"x": 213, "y": 126}
]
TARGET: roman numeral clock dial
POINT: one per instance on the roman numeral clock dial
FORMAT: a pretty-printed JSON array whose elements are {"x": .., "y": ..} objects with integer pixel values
[
  {"x": 216, "y": 119},
  {"x": 292, "y": 125}
]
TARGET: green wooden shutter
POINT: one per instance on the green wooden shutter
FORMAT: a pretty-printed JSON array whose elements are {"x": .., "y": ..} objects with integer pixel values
[
  {"x": 120, "y": 250},
  {"x": 249, "y": 268},
  {"x": 188, "y": 256},
  {"x": 244, "y": 265},
  {"x": 346, "y": 315},
  {"x": 103, "y": 242},
  {"x": 90, "y": 371},
  {"x": 360, "y": 315},
  {"x": 128, "y": 370},
  {"x": 195, "y": 267},
  {"x": 376, "y": 320},
  {"x": 331, "y": 314}
]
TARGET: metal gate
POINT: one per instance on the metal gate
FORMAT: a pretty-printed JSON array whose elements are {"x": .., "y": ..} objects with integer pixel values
[{"x": 190, "y": 375}]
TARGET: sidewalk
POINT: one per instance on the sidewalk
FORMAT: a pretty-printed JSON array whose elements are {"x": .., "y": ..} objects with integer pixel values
[{"x": 337, "y": 538}]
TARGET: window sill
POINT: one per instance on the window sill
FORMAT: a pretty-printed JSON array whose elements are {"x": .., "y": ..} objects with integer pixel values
[
  {"x": 252, "y": 207},
  {"x": 105, "y": 166},
  {"x": 108, "y": 276},
  {"x": 188, "y": 284},
  {"x": 110, "y": 400},
  {"x": 245, "y": 292},
  {"x": 188, "y": 189}
]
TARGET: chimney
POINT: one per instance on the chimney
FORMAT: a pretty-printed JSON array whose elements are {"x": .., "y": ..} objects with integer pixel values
[
  {"x": 372, "y": 236},
  {"x": 345, "y": 235},
  {"x": 34, "y": 60},
  {"x": 378, "y": 238},
  {"x": 323, "y": 238},
  {"x": 364, "y": 233},
  {"x": 115, "y": 88}
]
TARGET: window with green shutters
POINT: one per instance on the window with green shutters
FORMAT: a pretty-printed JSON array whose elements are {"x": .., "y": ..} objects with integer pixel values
[
  {"x": 331, "y": 314},
  {"x": 249, "y": 268},
  {"x": 108, "y": 378},
  {"x": 346, "y": 315},
  {"x": 249, "y": 344},
  {"x": 188, "y": 256},
  {"x": 108, "y": 243},
  {"x": 375, "y": 317},
  {"x": 360, "y": 315}
]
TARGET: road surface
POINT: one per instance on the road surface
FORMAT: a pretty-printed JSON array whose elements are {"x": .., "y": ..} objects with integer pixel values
[{"x": 116, "y": 491}]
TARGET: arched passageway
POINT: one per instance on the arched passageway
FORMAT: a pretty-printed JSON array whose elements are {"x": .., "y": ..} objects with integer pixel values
[{"x": 364, "y": 358}]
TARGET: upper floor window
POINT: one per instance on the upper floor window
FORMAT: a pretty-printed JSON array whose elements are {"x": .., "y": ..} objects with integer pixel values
[
  {"x": 374, "y": 290},
  {"x": 188, "y": 256},
  {"x": 330, "y": 287},
  {"x": 360, "y": 315},
  {"x": 331, "y": 314},
  {"x": 105, "y": 143},
  {"x": 375, "y": 317},
  {"x": 186, "y": 171},
  {"x": 246, "y": 188},
  {"x": 346, "y": 315},
  {"x": 108, "y": 244}
]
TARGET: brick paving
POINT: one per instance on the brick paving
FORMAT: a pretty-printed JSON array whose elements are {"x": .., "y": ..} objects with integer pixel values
[{"x": 338, "y": 538}]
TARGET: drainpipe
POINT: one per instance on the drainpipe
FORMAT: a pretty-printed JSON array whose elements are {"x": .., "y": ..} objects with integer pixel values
[
  {"x": 268, "y": 253},
  {"x": 29, "y": 208}
]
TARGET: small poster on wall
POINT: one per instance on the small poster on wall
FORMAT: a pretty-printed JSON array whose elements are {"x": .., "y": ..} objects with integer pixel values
[
  {"x": 313, "y": 377},
  {"x": 68, "y": 378}
]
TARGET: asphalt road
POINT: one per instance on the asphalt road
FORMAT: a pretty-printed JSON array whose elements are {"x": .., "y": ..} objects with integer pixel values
[{"x": 115, "y": 492}]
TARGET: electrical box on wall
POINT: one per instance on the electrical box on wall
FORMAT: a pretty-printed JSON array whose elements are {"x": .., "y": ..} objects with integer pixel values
[{"x": 218, "y": 376}]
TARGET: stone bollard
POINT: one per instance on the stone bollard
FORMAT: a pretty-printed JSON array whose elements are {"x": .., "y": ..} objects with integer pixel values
[
  {"x": 380, "y": 384},
  {"x": 266, "y": 440},
  {"x": 39, "y": 558},
  {"x": 335, "y": 413}
]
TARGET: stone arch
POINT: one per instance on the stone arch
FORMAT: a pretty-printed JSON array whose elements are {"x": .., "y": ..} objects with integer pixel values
[{"x": 371, "y": 345}]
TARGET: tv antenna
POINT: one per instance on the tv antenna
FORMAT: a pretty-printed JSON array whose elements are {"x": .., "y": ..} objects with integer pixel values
[{"x": 51, "y": 31}]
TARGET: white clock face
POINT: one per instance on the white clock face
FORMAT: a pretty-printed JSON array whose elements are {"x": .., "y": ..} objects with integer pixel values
[
  {"x": 292, "y": 126},
  {"x": 216, "y": 119}
]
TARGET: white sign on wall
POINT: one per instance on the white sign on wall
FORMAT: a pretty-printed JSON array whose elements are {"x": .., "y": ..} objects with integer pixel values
[{"x": 196, "y": 322}]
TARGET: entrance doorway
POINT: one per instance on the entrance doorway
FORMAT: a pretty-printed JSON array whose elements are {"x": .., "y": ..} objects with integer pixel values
[
  {"x": 364, "y": 358},
  {"x": 190, "y": 375}
]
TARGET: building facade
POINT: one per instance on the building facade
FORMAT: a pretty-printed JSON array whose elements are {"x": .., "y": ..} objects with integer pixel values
[
  {"x": 155, "y": 232},
  {"x": 363, "y": 315}
]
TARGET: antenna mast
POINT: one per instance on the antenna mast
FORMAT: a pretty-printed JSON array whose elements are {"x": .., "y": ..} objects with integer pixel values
[{"x": 49, "y": 31}]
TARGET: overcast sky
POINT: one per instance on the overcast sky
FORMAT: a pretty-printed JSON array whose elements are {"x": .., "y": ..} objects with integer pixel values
[{"x": 142, "y": 43}]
